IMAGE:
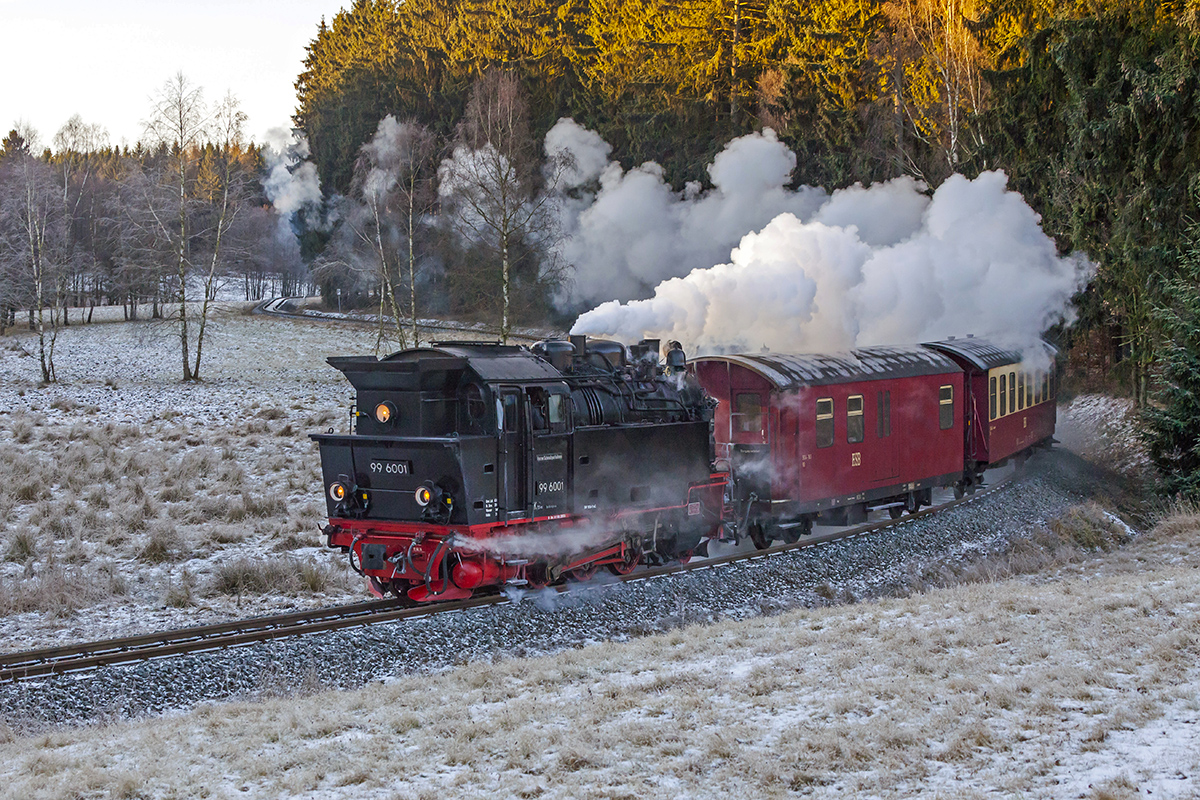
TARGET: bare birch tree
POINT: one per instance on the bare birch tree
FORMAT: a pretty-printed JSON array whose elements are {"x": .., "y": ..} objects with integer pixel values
[
  {"x": 31, "y": 238},
  {"x": 179, "y": 119},
  {"x": 224, "y": 183}
]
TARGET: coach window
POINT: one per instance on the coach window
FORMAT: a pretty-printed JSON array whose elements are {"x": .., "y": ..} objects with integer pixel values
[
  {"x": 992, "y": 397},
  {"x": 1028, "y": 388},
  {"x": 1003, "y": 396},
  {"x": 1012, "y": 392},
  {"x": 825, "y": 422},
  {"x": 945, "y": 407},
  {"x": 1046, "y": 385},
  {"x": 1021, "y": 384},
  {"x": 749, "y": 413},
  {"x": 854, "y": 419},
  {"x": 1038, "y": 394}
]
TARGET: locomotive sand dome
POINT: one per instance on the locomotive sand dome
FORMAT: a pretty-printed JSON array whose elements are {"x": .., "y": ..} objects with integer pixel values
[{"x": 474, "y": 465}]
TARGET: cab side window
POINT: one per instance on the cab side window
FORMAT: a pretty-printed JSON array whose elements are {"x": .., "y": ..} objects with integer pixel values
[
  {"x": 538, "y": 411},
  {"x": 748, "y": 410}
]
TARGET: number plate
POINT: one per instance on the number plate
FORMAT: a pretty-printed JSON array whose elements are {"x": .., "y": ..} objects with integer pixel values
[{"x": 391, "y": 467}]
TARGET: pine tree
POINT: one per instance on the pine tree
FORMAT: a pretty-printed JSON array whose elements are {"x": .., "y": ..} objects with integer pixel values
[{"x": 1172, "y": 420}]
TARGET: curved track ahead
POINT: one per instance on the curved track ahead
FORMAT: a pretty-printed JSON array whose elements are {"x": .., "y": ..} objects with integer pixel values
[{"x": 93, "y": 655}]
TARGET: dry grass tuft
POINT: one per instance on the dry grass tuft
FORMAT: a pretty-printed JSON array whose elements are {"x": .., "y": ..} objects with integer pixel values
[
  {"x": 163, "y": 545},
  {"x": 1090, "y": 527},
  {"x": 284, "y": 575},
  {"x": 1181, "y": 519},
  {"x": 180, "y": 592},
  {"x": 22, "y": 548}
]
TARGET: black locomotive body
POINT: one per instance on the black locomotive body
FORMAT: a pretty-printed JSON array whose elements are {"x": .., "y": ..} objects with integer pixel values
[{"x": 475, "y": 465}]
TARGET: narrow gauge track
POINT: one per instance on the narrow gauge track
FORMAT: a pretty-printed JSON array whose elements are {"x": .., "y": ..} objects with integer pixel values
[{"x": 112, "y": 652}]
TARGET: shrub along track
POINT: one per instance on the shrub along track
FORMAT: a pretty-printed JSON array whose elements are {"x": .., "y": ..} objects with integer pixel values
[{"x": 112, "y": 652}]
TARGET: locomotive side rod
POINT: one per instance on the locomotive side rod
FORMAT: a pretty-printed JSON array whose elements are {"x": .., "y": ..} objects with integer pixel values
[{"x": 93, "y": 655}]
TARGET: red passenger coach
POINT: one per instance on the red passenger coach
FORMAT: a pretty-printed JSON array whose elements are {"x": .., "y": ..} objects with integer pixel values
[
  {"x": 1010, "y": 405},
  {"x": 827, "y": 438}
]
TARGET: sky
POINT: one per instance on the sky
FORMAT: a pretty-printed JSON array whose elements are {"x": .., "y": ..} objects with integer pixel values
[{"x": 104, "y": 61}]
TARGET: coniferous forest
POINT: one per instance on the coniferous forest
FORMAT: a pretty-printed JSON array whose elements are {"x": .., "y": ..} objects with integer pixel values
[{"x": 1090, "y": 107}]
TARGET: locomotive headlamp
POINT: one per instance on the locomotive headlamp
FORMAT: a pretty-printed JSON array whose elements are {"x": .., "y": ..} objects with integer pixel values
[
  {"x": 385, "y": 412},
  {"x": 337, "y": 492},
  {"x": 423, "y": 496}
]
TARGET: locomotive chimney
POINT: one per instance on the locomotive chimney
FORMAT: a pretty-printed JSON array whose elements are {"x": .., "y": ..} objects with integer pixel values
[{"x": 580, "y": 343}]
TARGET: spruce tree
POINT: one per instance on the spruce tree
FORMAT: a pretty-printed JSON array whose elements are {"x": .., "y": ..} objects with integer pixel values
[{"x": 1172, "y": 419}]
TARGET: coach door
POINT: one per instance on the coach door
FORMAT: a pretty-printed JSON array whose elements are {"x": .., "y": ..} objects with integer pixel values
[
  {"x": 512, "y": 477},
  {"x": 887, "y": 464}
]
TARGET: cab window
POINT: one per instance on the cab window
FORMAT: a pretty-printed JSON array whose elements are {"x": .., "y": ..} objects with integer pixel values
[
  {"x": 509, "y": 412},
  {"x": 539, "y": 409},
  {"x": 825, "y": 422},
  {"x": 945, "y": 407},
  {"x": 748, "y": 410},
  {"x": 854, "y": 419}
]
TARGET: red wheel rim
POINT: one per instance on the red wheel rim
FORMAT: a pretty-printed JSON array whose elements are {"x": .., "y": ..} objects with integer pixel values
[
  {"x": 624, "y": 567},
  {"x": 585, "y": 572}
]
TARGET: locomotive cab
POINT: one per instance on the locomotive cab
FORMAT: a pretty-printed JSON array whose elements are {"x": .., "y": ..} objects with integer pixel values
[{"x": 441, "y": 437}]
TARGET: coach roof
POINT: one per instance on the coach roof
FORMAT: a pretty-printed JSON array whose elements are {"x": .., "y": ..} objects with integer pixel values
[{"x": 786, "y": 370}]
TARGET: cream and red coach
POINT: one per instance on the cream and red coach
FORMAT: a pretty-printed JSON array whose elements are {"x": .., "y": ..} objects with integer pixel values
[{"x": 827, "y": 438}]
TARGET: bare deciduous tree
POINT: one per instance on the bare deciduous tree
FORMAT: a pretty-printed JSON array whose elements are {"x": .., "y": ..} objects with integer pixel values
[
  {"x": 495, "y": 189},
  {"x": 32, "y": 236},
  {"x": 179, "y": 119}
]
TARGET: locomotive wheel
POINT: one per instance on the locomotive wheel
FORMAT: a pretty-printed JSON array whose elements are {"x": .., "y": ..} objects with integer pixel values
[
  {"x": 758, "y": 536},
  {"x": 585, "y": 572},
  {"x": 685, "y": 556},
  {"x": 959, "y": 491},
  {"x": 535, "y": 577},
  {"x": 896, "y": 512},
  {"x": 625, "y": 567}
]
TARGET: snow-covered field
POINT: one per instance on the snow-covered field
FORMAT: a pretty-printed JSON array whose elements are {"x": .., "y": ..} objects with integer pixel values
[
  {"x": 1080, "y": 682},
  {"x": 130, "y": 501},
  {"x": 125, "y": 497}
]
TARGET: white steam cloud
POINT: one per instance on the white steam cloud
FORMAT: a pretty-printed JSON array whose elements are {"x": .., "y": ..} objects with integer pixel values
[
  {"x": 291, "y": 183},
  {"x": 877, "y": 265},
  {"x": 628, "y": 231}
]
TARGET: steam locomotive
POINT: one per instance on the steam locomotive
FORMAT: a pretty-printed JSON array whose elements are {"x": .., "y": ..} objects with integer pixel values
[{"x": 472, "y": 466}]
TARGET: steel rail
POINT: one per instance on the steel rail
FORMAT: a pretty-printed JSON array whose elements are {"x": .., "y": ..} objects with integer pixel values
[{"x": 18, "y": 666}]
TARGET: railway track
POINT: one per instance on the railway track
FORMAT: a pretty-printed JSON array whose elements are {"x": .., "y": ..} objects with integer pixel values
[{"x": 88, "y": 656}]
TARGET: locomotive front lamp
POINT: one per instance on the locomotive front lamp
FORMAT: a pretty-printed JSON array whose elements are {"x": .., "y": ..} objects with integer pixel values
[
  {"x": 337, "y": 492},
  {"x": 385, "y": 412},
  {"x": 423, "y": 496}
]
